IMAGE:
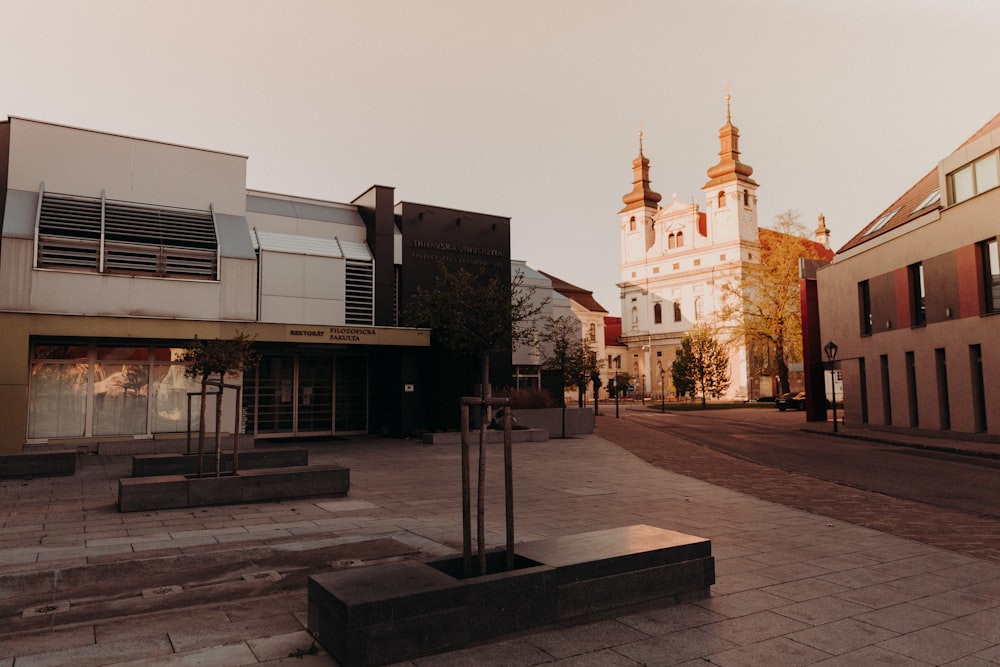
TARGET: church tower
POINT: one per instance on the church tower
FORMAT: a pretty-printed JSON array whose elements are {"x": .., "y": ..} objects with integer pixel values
[
  {"x": 730, "y": 194},
  {"x": 636, "y": 219}
]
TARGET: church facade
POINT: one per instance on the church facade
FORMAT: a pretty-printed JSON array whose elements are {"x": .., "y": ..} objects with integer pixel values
[{"x": 675, "y": 259}]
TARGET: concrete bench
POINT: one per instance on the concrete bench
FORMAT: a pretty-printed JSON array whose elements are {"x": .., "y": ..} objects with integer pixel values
[
  {"x": 151, "y": 465},
  {"x": 38, "y": 464},
  {"x": 136, "y": 494}
]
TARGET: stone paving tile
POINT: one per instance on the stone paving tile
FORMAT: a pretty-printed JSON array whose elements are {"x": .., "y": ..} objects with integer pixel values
[
  {"x": 958, "y": 603},
  {"x": 671, "y": 619},
  {"x": 984, "y": 625},
  {"x": 743, "y": 603},
  {"x": 675, "y": 647},
  {"x": 203, "y": 635},
  {"x": 227, "y": 654},
  {"x": 586, "y": 638},
  {"x": 805, "y": 589},
  {"x": 878, "y": 596},
  {"x": 934, "y": 645},
  {"x": 871, "y": 656},
  {"x": 752, "y": 628},
  {"x": 288, "y": 645},
  {"x": 606, "y": 658},
  {"x": 30, "y": 643},
  {"x": 822, "y": 610},
  {"x": 513, "y": 653},
  {"x": 841, "y": 636},
  {"x": 777, "y": 652},
  {"x": 93, "y": 655},
  {"x": 903, "y": 618}
]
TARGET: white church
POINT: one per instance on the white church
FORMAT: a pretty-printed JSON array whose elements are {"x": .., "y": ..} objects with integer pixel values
[{"x": 674, "y": 261}]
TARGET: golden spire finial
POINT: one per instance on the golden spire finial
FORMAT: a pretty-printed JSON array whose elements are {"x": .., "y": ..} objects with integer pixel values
[
  {"x": 729, "y": 98},
  {"x": 640, "y": 137}
]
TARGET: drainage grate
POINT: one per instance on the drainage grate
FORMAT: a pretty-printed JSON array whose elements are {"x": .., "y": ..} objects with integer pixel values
[
  {"x": 45, "y": 609},
  {"x": 161, "y": 591}
]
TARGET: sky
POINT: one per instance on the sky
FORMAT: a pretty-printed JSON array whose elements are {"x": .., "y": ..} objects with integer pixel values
[{"x": 526, "y": 108}]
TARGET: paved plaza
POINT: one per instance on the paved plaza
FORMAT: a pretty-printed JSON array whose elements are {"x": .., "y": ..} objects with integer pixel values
[{"x": 82, "y": 584}]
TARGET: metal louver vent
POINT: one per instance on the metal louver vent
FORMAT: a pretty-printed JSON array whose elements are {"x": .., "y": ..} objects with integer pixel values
[
  {"x": 135, "y": 240},
  {"x": 359, "y": 302}
]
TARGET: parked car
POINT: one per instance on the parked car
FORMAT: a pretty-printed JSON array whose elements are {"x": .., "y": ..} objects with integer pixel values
[{"x": 794, "y": 400}]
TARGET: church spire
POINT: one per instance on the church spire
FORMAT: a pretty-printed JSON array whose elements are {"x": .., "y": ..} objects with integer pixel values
[
  {"x": 822, "y": 233},
  {"x": 642, "y": 195},
  {"x": 729, "y": 166}
]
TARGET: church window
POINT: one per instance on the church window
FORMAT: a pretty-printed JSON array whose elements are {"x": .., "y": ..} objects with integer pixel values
[
  {"x": 656, "y": 269},
  {"x": 635, "y": 317},
  {"x": 677, "y": 266},
  {"x": 677, "y": 311},
  {"x": 631, "y": 224},
  {"x": 722, "y": 198},
  {"x": 657, "y": 313},
  {"x": 698, "y": 308},
  {"x": 680, "y": 239},
  {"x": 746, "y": 197},
  {"x": 671, "y": 241},
  {"x": 593, "y": 332},
  {"x": 697, "y": 262}
]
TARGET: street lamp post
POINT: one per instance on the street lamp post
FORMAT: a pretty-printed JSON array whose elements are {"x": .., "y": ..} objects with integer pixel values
[
  {"x": 831, "y": 353},
  {"x": 618, "y": 368},
  {"x": 663, "y": 390}
]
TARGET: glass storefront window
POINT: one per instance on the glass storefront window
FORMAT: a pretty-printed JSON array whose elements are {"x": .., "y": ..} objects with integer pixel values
[
  {"x": 170, "y": 389},
  {"x": 120, "y": 393},
  {"x": 57, "y": 404},
  {"x": 107, "y": 390}
]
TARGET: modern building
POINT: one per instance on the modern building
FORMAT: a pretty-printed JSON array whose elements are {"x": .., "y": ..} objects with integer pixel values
[
  {"x": 115, "y": 252},
  {"x": 911, "y": 302},
  {"x": 675, "y": 259}
]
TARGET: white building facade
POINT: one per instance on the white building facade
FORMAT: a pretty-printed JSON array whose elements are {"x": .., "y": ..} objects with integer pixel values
[{"x": 674, "y": 261}]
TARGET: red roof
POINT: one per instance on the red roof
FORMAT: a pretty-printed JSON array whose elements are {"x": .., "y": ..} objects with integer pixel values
[
  {"x": 612, "y": 331},
  {"x": 914, "y": 202},
  {"x": 582, "y": 296},
  {"x": 810, "y": 249}
]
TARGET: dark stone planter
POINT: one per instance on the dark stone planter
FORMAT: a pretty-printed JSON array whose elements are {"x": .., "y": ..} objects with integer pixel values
[
  {"x": 151, "y": 465},
  {"x": 393, "y": 612},
  {"x": 137, "y": 494},
  {"x": 38, "y": 464}
]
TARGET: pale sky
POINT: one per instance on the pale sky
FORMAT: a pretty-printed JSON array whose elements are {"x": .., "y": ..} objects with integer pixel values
[{"x": 529, "y": 109}]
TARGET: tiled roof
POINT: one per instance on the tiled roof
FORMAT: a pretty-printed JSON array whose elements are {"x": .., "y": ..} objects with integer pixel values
[
  {"x": 913, "y": 202},
  {"x": 582, "y": 296},
  {"x": 811, "y": 249},
  {"x": 612, "y": 330}
]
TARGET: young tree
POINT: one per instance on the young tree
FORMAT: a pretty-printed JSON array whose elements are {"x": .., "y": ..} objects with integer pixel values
[
  {"x": 702, "y": 364},
  {"x": 763, "y": 299},
  {"x": 564, "y": 355},
  {"x": 216, "y": 358},
  {"x": 478, "y": 314}
]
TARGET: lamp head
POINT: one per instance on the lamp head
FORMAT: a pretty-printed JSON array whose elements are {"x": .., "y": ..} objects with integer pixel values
[{"x": 831, "y": 350}]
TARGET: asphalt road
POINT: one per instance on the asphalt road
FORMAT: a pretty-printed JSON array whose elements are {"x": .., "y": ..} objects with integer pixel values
[
  {"x": 941, "y": 499},
  {"x": 965, "y": 483}
]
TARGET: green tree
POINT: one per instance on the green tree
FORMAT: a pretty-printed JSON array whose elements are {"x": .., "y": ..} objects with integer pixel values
[
  {"x": 563, "y": 355},
  {"x": 702, "y": 364},
  {"x": 763, "y": 300},
  {"x": 214, "y": 358},
  {"x": 478, "y": 315}
]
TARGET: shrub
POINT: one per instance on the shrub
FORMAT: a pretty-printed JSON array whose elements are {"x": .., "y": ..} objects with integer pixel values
[{"x": 528, "y": 399}]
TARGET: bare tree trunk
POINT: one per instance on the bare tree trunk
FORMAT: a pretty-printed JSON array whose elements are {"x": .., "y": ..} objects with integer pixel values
[
  {"x": 481, "y": 490},
  {"x": 218, "y": 429},
  {"x": 201, "y": 426}
]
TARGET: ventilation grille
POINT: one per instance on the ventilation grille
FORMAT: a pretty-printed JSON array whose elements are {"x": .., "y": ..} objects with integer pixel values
[
  {"x": 137, "y": 240},
  {"x": 359, "y": 304}
]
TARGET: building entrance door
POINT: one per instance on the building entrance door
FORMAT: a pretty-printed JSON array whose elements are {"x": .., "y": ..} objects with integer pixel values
[{"x": 307, "y": 394}]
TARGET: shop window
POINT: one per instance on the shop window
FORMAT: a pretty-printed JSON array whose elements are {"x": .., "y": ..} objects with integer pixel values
[
  {"x": 918, "y": 296},
  {"x": 105, "y": 236},
  {"x": 657, "y": 313},
  {"x": 97, "y": 390},
  {"x": 990, "y": 275},
  {"x": 975, "y": 178}
]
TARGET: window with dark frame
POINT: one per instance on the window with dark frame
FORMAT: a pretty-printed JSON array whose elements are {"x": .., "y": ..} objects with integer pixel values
[
  {"x": 990, "y": 275},
  {"x": 865, "y": 307},
  {"x": 918, "y": 295}
]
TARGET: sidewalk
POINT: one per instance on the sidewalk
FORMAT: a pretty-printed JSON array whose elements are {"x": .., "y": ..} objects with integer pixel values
[{"x": 81, "y": 584}]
